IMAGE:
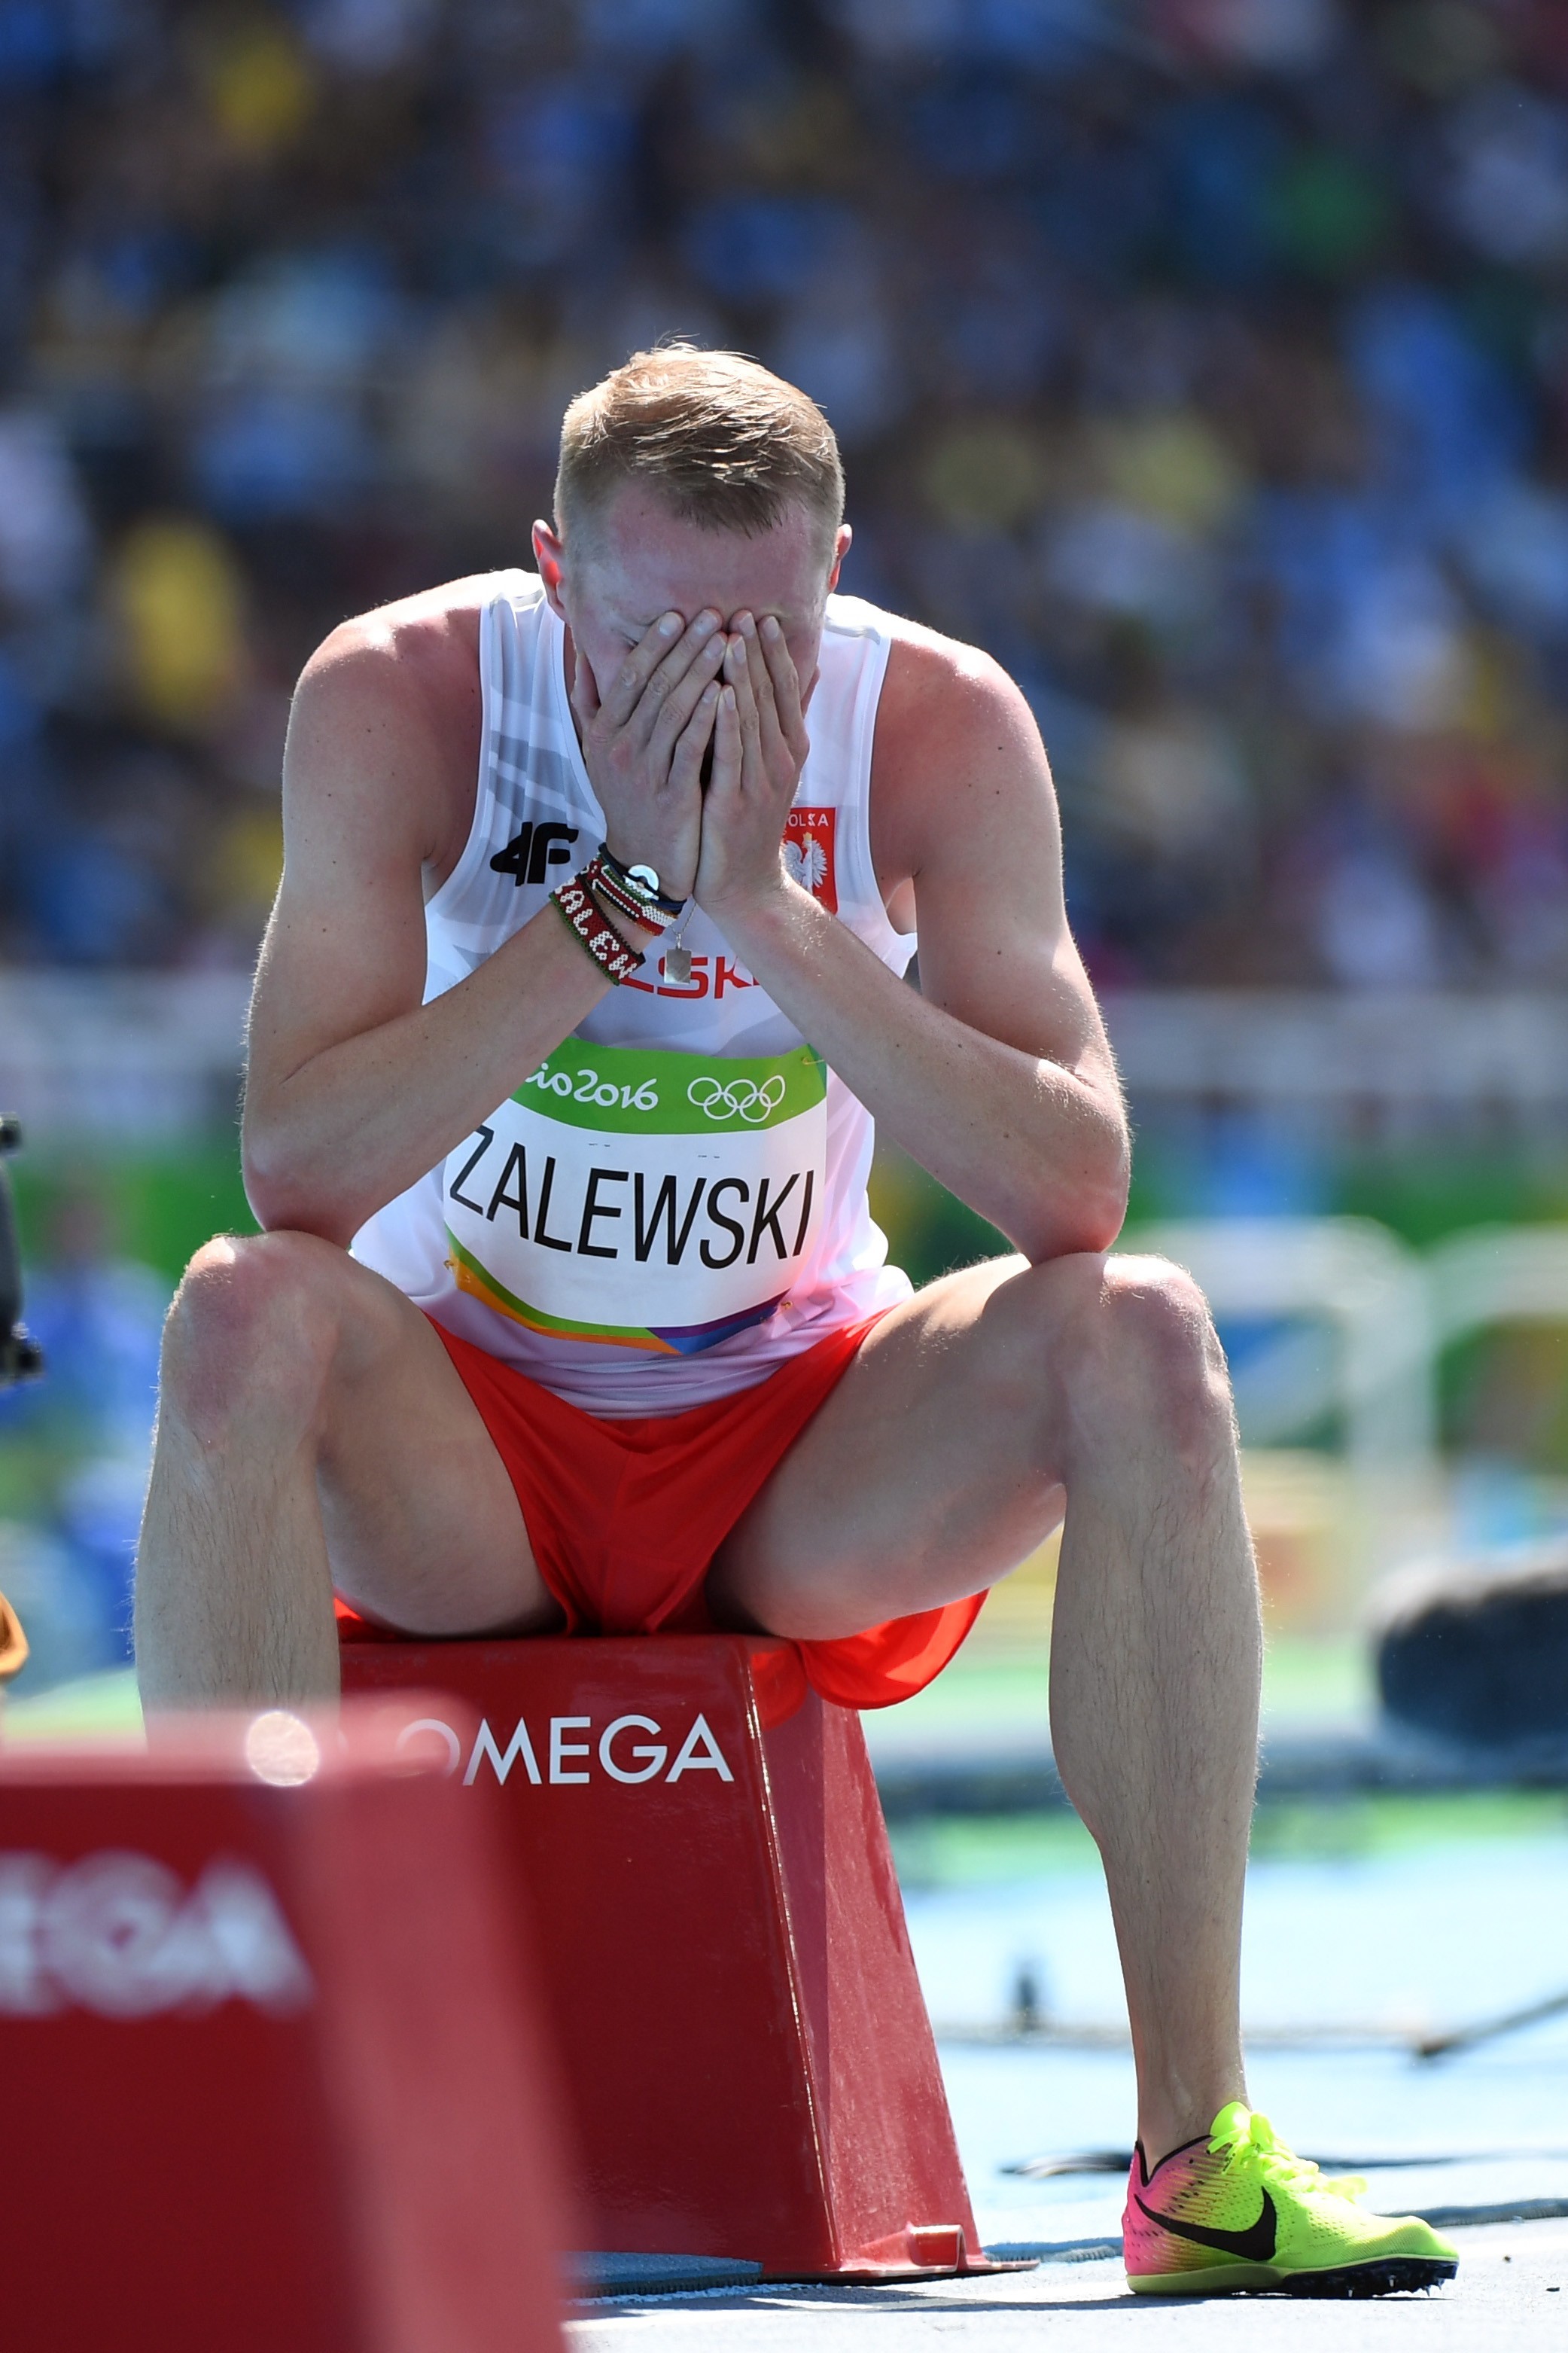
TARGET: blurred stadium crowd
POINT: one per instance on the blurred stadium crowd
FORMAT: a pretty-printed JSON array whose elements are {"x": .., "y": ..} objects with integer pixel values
[{"x": 1205, "y": 359}]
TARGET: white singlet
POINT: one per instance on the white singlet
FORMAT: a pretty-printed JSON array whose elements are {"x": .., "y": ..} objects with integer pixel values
[{"x": 675, "y": 1202}]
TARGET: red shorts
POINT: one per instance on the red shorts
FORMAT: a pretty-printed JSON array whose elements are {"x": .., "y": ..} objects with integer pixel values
[{"x": 625, "y": 1518}]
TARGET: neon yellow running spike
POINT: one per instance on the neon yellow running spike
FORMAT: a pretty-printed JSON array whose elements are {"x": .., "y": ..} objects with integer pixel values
[{"x": 1239, "y": 2214}]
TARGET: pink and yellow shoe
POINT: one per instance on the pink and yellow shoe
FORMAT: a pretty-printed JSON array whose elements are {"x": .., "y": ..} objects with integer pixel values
[{"x": 1239, "y": 2215}]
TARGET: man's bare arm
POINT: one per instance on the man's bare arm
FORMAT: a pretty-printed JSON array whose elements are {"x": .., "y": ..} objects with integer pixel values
[
  {"x": 997, "y": 1077},
  {"x": 356, "y": 1089}
]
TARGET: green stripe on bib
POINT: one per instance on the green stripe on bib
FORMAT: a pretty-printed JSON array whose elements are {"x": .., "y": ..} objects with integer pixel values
[{"x": 637, "y": 1091}]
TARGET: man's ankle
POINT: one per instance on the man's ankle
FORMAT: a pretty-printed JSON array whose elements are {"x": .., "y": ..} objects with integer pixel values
[{"x": 1163, "y": 2130}]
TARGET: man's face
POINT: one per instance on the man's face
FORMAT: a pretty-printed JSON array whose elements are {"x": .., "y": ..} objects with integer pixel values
[{"x": 641, "y": 561}]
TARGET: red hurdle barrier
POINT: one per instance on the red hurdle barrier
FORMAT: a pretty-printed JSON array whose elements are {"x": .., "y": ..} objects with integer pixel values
[
  {"x": 723, "y": 1950},
  {"x": 267, "y": 2083}
]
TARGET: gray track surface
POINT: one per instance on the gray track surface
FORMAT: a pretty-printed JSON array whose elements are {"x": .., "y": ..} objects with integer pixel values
[{"x": 1501, "y": 2303}]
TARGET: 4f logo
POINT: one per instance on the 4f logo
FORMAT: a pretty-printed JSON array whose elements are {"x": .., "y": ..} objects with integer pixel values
[
  {"x": 530, "y": 853},
  {"x": 808, "y": 853}
]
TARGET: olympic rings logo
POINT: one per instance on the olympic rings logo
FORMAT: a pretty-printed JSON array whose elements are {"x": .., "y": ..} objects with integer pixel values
[{"x": 741, "y": 1099}]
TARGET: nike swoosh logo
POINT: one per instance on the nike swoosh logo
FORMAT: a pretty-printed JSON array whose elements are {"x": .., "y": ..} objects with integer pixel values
[{"x": 1254, "y": 2245}]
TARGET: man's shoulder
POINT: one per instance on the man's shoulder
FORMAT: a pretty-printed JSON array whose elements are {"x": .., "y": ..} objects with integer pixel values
[
  {"x": 937, "y": 686},
  {"x": 419, "y": 651},
  {"x": 389, "y": 706},
  {"x": 950, "y": 721}
]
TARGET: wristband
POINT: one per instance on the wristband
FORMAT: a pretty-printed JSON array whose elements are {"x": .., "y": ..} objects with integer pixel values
[
  {"x": 581, "y": 912},
  {"x": 630, "y": 881},
  {"x": 645, "y": 913}
]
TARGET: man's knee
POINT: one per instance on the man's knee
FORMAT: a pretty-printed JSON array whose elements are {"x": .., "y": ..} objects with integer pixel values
[
  {"x": 254, "y": 1318},
  {"x": 1138, "y": 1346}
]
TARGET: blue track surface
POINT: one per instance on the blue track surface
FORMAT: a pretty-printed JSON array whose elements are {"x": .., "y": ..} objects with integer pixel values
[{"x": 1407, "y": 1941}]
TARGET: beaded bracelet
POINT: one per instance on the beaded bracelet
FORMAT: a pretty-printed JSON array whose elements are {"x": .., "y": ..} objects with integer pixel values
[
  {"x": 622, "y": 875},
  {"x": 645, "y": 914},
  {"x": 582, "y": 914}
]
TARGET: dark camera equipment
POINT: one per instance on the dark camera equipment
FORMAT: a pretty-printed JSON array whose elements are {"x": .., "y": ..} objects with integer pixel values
[{"x": 21, "y": 1358}]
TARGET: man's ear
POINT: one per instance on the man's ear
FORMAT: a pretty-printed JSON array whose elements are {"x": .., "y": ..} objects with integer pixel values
[
  {"x": 550, "y": 556},
  {"x": 840, "y": 550}
]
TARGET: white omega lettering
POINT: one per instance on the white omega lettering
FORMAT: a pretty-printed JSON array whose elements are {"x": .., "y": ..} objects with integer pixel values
[
  {"x": 25, "y": 1988},
  {"x": 444, "y": 1732},
  {"x": 560, "y": 1748},
  {"x": 519, "y": 1746},
  {"x": 708, "y": 1757},
  {"x": 118, "y": 1934},
  {"x": 260, "y": 1960},
  {"x": 739, "y": 1099},
  {"x": 106, "y": 1933},
  {"x": 653, "y": 1754}
]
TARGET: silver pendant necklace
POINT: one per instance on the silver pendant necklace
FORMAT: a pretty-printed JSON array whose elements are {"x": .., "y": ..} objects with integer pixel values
[{"x": 676, "y": 954}]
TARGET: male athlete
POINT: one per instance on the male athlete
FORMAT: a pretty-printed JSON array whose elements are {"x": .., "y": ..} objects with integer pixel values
[{"x": 568, "y": 1312}]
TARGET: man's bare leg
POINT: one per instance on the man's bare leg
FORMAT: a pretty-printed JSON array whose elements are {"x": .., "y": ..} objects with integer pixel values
[
  {"x": 1156, "y": 1659},
  {"x": 311, "y": 1427},
  {"x": 938, "y": 1463}
]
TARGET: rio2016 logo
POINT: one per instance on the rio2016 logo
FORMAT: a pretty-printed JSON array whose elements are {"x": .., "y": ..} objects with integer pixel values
[
  {"x": 746, "y": 1099},
  {"x": 603, "y": 1093}
]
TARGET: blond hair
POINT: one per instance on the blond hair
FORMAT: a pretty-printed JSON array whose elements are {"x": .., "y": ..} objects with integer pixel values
[{"x": 722, "y": 442}]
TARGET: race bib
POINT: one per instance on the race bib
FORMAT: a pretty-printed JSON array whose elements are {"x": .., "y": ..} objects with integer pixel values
[{"x": 644, "y": 1199}]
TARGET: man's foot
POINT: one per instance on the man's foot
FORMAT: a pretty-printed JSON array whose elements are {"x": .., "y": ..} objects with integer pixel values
[{"x": 1238, "y": 2214}]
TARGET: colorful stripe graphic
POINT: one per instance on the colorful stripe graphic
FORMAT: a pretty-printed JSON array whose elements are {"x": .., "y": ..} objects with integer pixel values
[{"x": 688, "y": 1340}]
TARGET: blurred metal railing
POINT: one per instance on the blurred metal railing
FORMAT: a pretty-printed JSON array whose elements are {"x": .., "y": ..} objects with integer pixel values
[
  {"x": 121, "y": 1057},
  {"x": 1323, "y": 1048},
  {"x": 1498, "y": 1274},
  {"x": 85, "y": 1054},
  {"x": 1392, "y": 1312},
  {"x": 1354, "y": 1275}
]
